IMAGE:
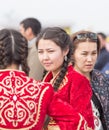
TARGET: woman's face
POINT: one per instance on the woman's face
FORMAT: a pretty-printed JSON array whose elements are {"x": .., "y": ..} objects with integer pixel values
[
  {"x": 50, "y": 55},
  {"x": 85, "y": 57}
]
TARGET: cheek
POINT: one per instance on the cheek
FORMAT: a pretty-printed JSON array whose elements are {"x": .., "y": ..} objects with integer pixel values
[
  {"x": 96, "y": 56},
  {"x": 95, "y": 59},
  {"x": 57, "y": 56},
  {"x": 78, "y": 58},
  {"x": 40, "y": 57},
  {"x": 58, "y": 59},
  {"x": 79, "y": 61}
]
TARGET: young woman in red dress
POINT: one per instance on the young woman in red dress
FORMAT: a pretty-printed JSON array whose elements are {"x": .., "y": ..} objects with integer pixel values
[
  {"x": 86, "y": 47},
  {"x": 71, "y": 88},
  {"x": 23, "y": 101}
]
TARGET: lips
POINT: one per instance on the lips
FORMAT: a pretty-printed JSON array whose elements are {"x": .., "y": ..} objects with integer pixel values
[
  {"x": 46, "y": 64},
  {"x": 90, "y": 66}
]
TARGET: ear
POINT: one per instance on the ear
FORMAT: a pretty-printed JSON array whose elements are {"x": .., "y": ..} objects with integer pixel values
[
  {"x": 28, "y": 31},
  {"x": 66, "y": 51}
]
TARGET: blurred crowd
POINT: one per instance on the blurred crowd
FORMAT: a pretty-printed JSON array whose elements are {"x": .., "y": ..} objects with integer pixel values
[{"x": 53, "y": 79}]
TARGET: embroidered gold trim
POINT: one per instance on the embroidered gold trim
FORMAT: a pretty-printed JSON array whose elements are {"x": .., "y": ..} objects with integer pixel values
[
  {"x": 11, "y": 98},
  {"x": 51, "y": 127},
  {"x": 84, "y": 123}
]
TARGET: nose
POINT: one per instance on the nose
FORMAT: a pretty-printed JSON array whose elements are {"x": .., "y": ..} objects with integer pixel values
[
  {"x": 45, "y": 56},
  {"x": 89, "y": 58}
]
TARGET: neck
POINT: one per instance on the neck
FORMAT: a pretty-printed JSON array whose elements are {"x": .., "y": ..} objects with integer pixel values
[{"x": 12, "y": 66}]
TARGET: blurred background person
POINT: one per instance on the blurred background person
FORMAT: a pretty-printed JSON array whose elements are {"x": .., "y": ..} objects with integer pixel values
[
  {"x": 23, "y": 101},
  {"x": 29, "y": 28},
  {"x": 107, "y": 44},
  {"x": 86, "y": 46},
  {"x": 103, "y": 57}
]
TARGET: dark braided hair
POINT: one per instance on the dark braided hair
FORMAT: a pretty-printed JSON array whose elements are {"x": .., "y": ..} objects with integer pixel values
[
  {"x": 13, "y": 49},
  {"x": 62, "y": 39}
]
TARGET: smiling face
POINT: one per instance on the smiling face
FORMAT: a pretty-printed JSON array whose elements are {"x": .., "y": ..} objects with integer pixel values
[
  {"x": 51, "y": 55},
  {"x": 85, "y": 56}
]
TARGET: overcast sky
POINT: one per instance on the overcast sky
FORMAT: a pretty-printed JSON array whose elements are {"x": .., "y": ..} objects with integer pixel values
[{"x": 78, "y": 14}]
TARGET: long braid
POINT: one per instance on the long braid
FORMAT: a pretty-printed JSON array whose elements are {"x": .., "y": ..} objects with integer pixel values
[
  {"x": 63, "y": 71},
  {"x": 21, "y": 50},
  {"x": 5, "y": 50},
  {"x": 25, "y": 67},
  {"x": 13, "y": 49},
  {"x": 1, "y": 56}
]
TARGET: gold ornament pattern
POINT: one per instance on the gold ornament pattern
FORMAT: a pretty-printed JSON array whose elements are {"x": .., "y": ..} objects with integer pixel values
[{"x": 20, "y": 101}]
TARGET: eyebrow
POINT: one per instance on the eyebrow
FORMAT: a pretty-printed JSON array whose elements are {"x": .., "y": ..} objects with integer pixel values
[
  {"x": 92, "y": 51},
  {"x": 46, "y": 49}
]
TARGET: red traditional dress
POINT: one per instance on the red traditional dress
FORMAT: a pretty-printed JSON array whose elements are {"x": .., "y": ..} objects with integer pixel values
[
  {"x": 23, "y": 101},
  {"x": 75, "y": 93}
]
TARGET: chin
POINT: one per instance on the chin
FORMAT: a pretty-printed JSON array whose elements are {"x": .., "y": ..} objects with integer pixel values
[
  {"x": 88, "y": 71},
  {"x": 48, "y": 69}
]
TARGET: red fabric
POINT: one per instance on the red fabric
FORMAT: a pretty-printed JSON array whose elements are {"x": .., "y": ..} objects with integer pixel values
[
  {"x": 72, "y": 102},
  {"x": 23, "y": 101}
]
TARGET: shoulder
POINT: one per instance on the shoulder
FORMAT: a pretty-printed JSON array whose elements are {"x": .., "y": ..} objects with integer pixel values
[
  {"x": 42, "y": 86},
  {"x": 99, "y": 78},
  {"x": 32, "y": 48},
  {"x": 99, "y": 75},
  {"x": 46, "y": 92},
  {"x": 76, "y": 76},
  {"x": 45, "y": 86},
  {"x": 78, "y": 81}
]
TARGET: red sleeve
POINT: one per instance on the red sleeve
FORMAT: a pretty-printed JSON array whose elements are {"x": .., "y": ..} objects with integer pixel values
[
  {"x": 65, "y": 115},
  {"x": 44, "y": 101},
  {"x": 80, "y": 98}
]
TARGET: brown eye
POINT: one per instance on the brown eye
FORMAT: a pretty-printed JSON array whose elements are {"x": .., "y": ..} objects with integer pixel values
[
  {"x": 40, "y": 52},
  {"x": 94, "y": 53},
  {"x": 50, "y": 51},
  {"x": 84, "y": 54}
]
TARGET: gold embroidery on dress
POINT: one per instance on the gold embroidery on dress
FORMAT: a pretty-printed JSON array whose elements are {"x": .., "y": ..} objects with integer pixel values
[
  {"x": 15, "y": 106},
  {"x": 52, "y": 125},
  {"x": 64, "y": 81},
  {"x": 85, "y": 123}
]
